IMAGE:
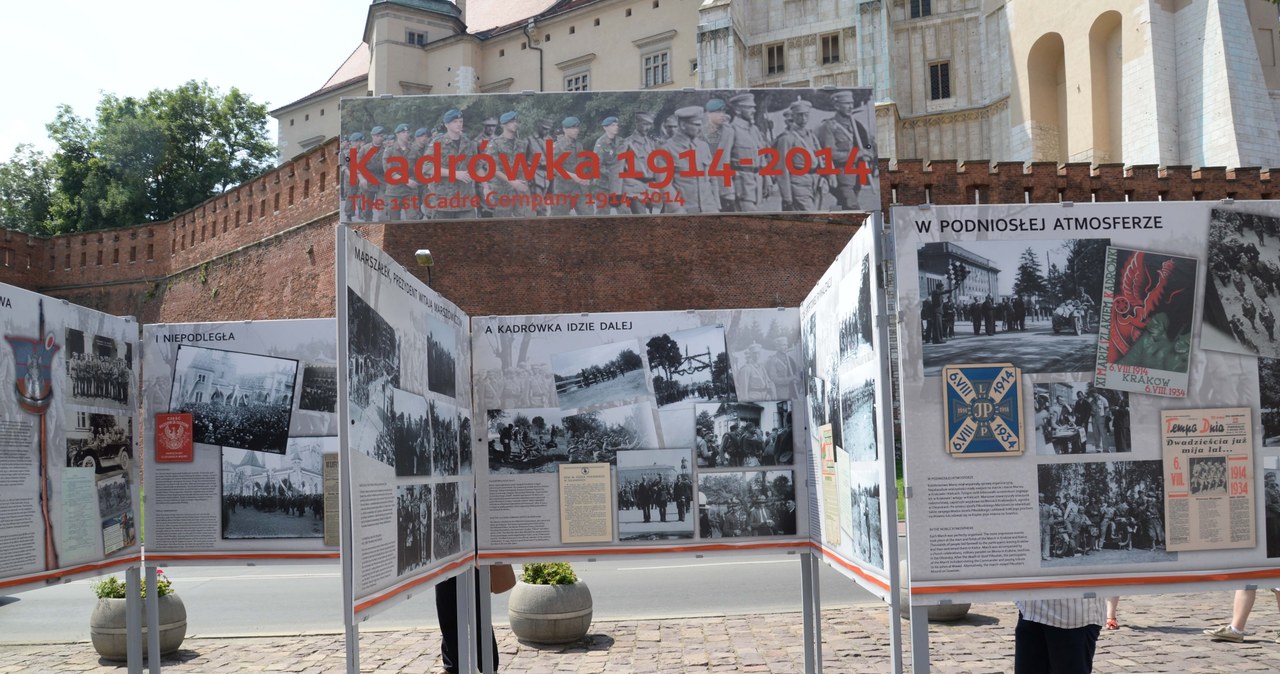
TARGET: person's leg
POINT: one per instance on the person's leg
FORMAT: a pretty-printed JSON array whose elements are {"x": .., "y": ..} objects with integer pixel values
[
  {"x": 447, "y": 616},
  {"x": 1070, "y": 651},
  {"x": 1113, "y": 603},
  {"x": 1241, "y": 607},
  {"x": 1030, "y": 654}
]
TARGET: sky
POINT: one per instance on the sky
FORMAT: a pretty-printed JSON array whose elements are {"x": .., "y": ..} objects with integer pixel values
[{"x": 71, "y": 51}]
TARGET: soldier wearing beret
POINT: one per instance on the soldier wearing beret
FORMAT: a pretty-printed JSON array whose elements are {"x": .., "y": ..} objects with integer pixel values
[
  {"x": 750, "y": 189},
  {"x": 504, "y": 149},
  {"x": 452, "y": 143},
  {"x": 719, "y": 137},
  {"x": 607, "y": 147},
  {"x": 696, "y": 191},
  {"x": 571, "y": 191},
  {"x": 372, "y": 141},
  {"x": 402, "y": 147},
  {"x": 799, "y": 192},
  {"x": 535, "y": 148},
  {"x": 421, "y": 138},
  {"x": 640, "y": 144},
  {"x": 848, "y": 139}
]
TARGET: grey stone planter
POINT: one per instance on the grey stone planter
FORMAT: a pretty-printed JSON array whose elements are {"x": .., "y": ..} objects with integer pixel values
[
  {"x": 550, "y": 614},
  {"x": 108, "y": 631}
]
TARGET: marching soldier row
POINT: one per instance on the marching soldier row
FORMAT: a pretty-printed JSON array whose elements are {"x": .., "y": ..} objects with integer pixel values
[{"x": 695, "y": 142}]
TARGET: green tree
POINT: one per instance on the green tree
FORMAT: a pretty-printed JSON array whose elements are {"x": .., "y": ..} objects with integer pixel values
[
  {"x": 26, "y": 191},
  {"x": 664, "y": 352},
  {"x": 1029, "y": 281}
]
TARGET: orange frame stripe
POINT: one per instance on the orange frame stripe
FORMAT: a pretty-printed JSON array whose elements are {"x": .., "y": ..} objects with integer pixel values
[
  {"x": 710, "y": 547},
  {"x": 369, "y": 603},
  {"x": 1099, "y": 582},
  {"x": 161, "y": 557},
  {"x": 61, "y": 573}
]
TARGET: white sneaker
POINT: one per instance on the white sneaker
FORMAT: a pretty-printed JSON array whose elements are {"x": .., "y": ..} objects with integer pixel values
[{"x": 1225, "y": 633}]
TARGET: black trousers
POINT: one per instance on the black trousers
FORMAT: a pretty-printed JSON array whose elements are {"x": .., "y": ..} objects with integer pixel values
[
  {"x": 447, "y": 615},
  {"x": 1041, "y": 649}
]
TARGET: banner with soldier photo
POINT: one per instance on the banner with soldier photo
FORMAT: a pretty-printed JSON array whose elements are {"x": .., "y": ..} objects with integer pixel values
[
  {"x": 692, "y": 415},
  {"x": 1098, "y": 307},
  {"x": 240, "y": 417},
  {"x": 71, "y": 485},
  {"x": 601, "y": 153}
]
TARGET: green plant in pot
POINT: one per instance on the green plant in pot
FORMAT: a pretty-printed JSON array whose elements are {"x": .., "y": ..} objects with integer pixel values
[
  {"x": 108, "y": 623},
  {"x": 550, "y": 604}
]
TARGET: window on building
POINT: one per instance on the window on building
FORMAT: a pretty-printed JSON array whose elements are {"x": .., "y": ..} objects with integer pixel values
[
  {"x": 501, "y": 53},
  {"x": 939, "y": 80},
  {"x": 920, "y": 8},
  {"x": 151, "y": 251},
  {"x": 275, "y": 204},
  {"x": 775, "y": 59},
  {"x": 628, "y": 11},
  {"x": 133, "y": 254},
  {"x": 115, "y": 256},
  {"x": 322, "y": 180},
  {"x": 306, "y": 189},
  {"x": 322, "y": 112},
  {"x": 415, "y": 38},
  {"x": 99, "y": 258},
  {"x": 572, "y": 30},
  {"x": 830, "y": 48},
  {"x": 546, "y": 38},
  {"x": 657, "y": 69},
  {"x": 290, "y": 121},
  {"x": 597, "y": 22},
  {"x": 578, "y": 82}
]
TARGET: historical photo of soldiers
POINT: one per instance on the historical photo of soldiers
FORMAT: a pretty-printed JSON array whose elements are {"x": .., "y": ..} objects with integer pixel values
[
  {"x": 1106, "y": 512},
  {"x": 275, "y": 495},
  {"x": 1029, "y": 302},
  {"x": 526, "y": 385},
  {"x": 1271, "y": 494},
  {"x": 447, "y": 535},
  {"x": 709, "y": 151},
  {"x": 599, "y": 376},
  {"x": 101, "y": 441},
  {"x": 865, "y": 528},
  {"x": 373, "y": 370},
  {"x": 690, "y": 366},
  {"x": 1080, "y": 418},
  {"x": 466, "y": 454},
  {"x": 742, "y": 434},
  {"x": 1208, "y": 475},
  {"x": 241, "y": 400},
  {"x": 319, "y": 387},
  {"x": 413, "y": 527},
  {"x": 442, "y": 357},
  {"x": 115, "y": 512},
  {"x": 411, "y": 434},
  {"x": 444, "y": 437},
  {"x": 858, "y": 412},
  {"x": 526, "y": 441},
  {"x": 600, "y": 436},
  {"x": 99, "y": 369},
  {"x": 744, "y": 504},
  {"x": 855, "y": 320},
  {"x": 1269, "y": 405},
  {"x": 765, "y": 363},
  {"x": 466, "y": 516},
  {"x": 1242, "y": 286},
  {"x": 655, "y": 494}
]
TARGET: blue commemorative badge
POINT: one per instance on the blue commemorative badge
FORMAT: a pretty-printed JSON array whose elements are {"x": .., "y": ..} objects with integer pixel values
[{"x": 983, "y": 409}]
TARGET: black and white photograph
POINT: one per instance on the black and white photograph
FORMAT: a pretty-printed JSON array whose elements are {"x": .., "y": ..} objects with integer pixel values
[
  {"x": 99, "y": 369},
  {"x": 444, "y": 437},
  {"x": 526, "y": 440},
  {"x": 599, "y": 436},
  {"x": 447, "y": 536},
  {"x": 600, "y": 376},
  {"x": 319, "y": 387},
  {"x": 690, "y": 366},
  {"x": 275, "y": 495},
  {"x": 114, "y": 495},
  {"x": 856, "y": 326},
  {"x": 1080, "y": 418},
  {"x": 442, "y": 358},
  {"x": 655, "y": 494},
  {"x": 764, "y": 357},
  {"x": 1106, "y": 512},
  {"x": 743, "y": 434},
  {"x": 521, "y": 385},
  {"x": 866, "y": 531},
  {"x": 1028, "y": 302},
  {"x": 858, "y": 421},
  {"x": 413, "y": 527},
  {"x": 466, "y": 453},
  {"x": 1242, "y": 288},
  {"x": 373, "y": 373},
  {"x": 743, "y": 504},
  {"x": 1208, "y": 475},
  {"x": 118, "y": 531},
  {"x": 1271, "y": 491},
  {"x": 466, "y": 516},
  {"x": 101, "y": 441},
  {"x": 1269, "y": 395},
  {"x": 411, "y": 434},
  {"x": 240, "y": 400}
]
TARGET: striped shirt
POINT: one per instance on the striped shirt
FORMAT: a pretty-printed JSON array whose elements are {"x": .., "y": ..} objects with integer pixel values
[{"x": 1062, "y": 613}]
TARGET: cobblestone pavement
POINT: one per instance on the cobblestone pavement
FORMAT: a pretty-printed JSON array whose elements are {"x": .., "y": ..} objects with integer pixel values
[{"x": 1158, "y": 634}]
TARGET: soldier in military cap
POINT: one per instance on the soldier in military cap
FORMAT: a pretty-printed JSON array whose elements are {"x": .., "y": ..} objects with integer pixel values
[
  {"x": 750, "y": 189},
  {"x": 452, "y": 143},
  {"x": 718, "y": 134},
  {"x": 536, "y": 146},
  {"x": 354, "y": 140},
  {"x": 607, "y": 147},
  {"x": 482, "y": 140},
  {"x": 372, "y": 192},
  {"x": 421, "y": 139},
  {"x": 799, "y": 192},
  {"x": 570, "y": 192},
  {"x": 641, "y": 144},
  {"x": 399, "y": 196},
  {"x": 696, "y": 191},
  {"x": 506, "y": 188},
  {"x": 669, "y": 128},
  {"x": 847, "y": 138}
]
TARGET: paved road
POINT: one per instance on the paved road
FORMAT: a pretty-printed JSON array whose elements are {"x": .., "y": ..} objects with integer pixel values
[{"x": 1036, "y": 349}]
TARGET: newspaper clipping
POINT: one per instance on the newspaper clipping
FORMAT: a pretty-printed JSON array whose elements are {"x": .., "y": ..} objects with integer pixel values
[{"x": 1208, "y": 463}]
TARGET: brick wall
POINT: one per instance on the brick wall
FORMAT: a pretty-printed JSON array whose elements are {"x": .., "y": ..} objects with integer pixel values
[{"x": 280, "y": 264}]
